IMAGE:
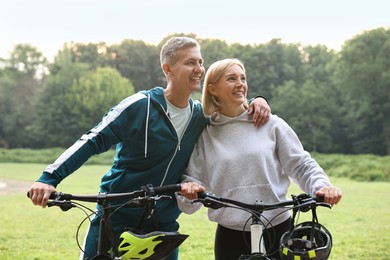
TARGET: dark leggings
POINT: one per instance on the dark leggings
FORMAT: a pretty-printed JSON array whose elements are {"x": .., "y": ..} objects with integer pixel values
[{"x": 230, "y": 244}]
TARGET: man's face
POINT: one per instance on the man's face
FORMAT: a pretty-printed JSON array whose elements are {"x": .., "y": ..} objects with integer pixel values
[{"x": 188, "y": 70}]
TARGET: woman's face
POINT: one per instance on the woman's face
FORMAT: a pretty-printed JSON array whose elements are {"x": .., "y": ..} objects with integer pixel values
[{"x": 231, "y": 90}]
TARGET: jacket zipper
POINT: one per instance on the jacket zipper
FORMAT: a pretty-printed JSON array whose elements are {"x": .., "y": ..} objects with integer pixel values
[{"x": 179, "y": 140}]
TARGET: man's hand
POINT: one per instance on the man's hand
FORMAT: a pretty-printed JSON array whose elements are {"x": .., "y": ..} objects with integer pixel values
[
  {"x": 40, "y": 192},
  {"x": 260, "y": 110}
]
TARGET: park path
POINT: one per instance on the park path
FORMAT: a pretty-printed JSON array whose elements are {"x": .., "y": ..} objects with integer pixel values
[{"x": 13, "y": 186}]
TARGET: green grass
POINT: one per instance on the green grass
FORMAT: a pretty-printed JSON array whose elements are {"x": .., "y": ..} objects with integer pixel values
[
  {"x": 49, "y": 155},
  {"x": 360, "y": 167},
  {"x": 359, "y": 224}
]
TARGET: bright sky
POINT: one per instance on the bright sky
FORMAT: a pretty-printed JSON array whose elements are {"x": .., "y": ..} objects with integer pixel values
[{"x": 48, "y": 24}]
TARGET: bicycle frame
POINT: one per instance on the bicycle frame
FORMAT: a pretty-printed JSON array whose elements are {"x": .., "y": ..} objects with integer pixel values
[
  {"x": 302, "y": 202},
  {"x": 147, "y": 194}
]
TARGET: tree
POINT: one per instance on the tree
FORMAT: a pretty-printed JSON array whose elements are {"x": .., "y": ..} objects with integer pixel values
[
  {"x": 93, "y": 95},
  {"x": 137, "y": 62},
  {"x": 7, "y": 85},
  {"x": 54, "y": 118},
  {"x": 28, "y": 60},
  {"x": 19, "y": 85},
  {"x": 94, "y": 54},
  {"x": 74, "y": 100},
  {"x": 309, "y": 103},
  {"x": 213, "y": 50},
  {"x": 336, "y": 102},
  {"x": 307, "y": 111},
  {"x": 363, "y": 73},
  {"x": 271, "y": 65}
]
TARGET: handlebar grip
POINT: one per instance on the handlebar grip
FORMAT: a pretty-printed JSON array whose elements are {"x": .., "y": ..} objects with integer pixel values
[
  {"x": 204, "y": 194},
  {"x": 167, "y": 188},
  {"x": 52, "y": 196},
  {"x": 318, "y": 199}
]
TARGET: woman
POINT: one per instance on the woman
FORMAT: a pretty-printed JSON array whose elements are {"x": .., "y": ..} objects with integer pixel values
[{"x": 233, "y": 159}]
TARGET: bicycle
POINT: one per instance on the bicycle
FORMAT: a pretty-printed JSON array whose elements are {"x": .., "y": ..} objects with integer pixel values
[
  {"x": 155, "y": 245},
  {"x": 307, "y": 240}
]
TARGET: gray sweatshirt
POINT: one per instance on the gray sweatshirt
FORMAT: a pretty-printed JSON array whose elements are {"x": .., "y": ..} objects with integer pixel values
[{"x": 236, "y": 160}]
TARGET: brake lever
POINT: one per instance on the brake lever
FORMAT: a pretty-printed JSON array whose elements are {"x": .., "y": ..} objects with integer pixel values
[
  {"x": 63, "y": 204},
  {"x": 305, "y": 202},
  {"x": 142, "y": 201},
  {"x": 162, "y": 197},
  {"x": 210, "y": 203},
  {"x": 156, "y": 198},
  {"x": 323, "y": 204}
]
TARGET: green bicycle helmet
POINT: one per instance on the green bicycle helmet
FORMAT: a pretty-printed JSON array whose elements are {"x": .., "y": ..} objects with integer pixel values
[
  {"x": 306, "y": 241},
  {"x": 152, "y": 246}
]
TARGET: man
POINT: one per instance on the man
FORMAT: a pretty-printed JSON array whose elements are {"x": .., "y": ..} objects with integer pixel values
[{"x": 155, "y": 132}]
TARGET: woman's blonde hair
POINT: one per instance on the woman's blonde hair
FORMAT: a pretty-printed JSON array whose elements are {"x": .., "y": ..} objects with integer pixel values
[{"x": 213, "y": 75}]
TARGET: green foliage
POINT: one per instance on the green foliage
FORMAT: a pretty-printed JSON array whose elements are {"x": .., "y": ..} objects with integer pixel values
[
  {"x": 89, "y": 98},
  {"x": 213, "y": 50},
  {"x": 57, "y": 125},
  {"x": 28, "y": 60},
  {"x": 271, "y": 65},
  {"x": 364, "y": 72},
  {"x": 18, "y": 93},
  {"x": 362, "y": 167},
  {"x": 95, "y": 55},
  {"x": 7, "y": 84},
  {"x": 337, "y": 102},
  {"x": 74, "y": 100},
  {"x": 308, "y": 113},
  {"x": 138, "y": 62},
  {"x": 303, "y": 105}
]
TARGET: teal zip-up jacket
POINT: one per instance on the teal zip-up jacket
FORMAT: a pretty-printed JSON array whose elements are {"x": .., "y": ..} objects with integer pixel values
[{"x": 148, "y": 150}]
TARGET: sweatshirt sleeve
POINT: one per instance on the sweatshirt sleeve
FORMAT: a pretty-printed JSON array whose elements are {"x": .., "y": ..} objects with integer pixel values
[
  {"x": 186, "y": 205},
  {"x": 195, "y": 172},
  {"x": 75, "y": 156},
  {"x": 298, "y": 163},
  {"x": 114, "y": 127}
]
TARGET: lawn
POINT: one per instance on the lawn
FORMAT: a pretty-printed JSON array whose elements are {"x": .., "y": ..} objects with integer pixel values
[{"x": 359, "y": 224}]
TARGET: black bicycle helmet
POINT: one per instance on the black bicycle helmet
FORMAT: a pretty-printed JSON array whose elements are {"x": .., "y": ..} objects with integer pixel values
[
  {"x": 307, "y": 240},
  {"x": 152, "y": 246}
]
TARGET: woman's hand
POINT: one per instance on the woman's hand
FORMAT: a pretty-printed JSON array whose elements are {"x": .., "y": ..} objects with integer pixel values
[
  {"x": 190, "y": 190},
  {"x": 332, "y": 195}
]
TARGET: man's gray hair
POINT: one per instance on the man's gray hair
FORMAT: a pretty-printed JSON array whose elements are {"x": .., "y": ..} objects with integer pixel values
[{"x": 170, "y": 48}]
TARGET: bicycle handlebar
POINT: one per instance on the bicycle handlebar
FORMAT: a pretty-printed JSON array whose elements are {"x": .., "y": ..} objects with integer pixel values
[
  {"x": 147, "y": 190},
  {"x": 215, "y": 202},
  {"x": 166, "y": 189}
]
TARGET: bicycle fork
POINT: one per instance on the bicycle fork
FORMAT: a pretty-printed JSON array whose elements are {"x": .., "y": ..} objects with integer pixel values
[
  {"x": 257, "y": 241},
  {"x": 105, "y": 240}
]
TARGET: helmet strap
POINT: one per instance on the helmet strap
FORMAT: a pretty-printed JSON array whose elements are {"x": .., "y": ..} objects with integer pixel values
[{"x": 314, "y": 222}]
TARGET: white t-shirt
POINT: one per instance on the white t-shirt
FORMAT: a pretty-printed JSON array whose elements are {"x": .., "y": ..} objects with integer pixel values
[{"x": 179, "y": 117}]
